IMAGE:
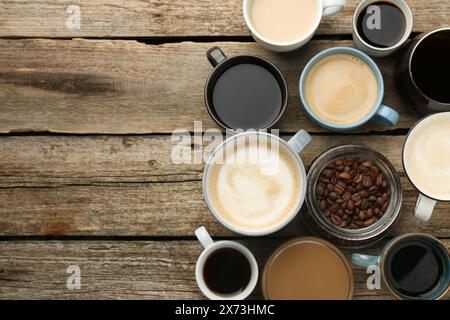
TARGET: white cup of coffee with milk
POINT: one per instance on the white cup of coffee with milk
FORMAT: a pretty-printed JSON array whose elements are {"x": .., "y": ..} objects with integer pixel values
[
  {"x": 286, "y": 25},
  {"x": 254, "y": 183},
  {"x": 426, "y": 160}
]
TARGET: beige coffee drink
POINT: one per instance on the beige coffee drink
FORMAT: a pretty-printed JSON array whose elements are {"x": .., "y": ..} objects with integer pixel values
[
  {"x": 253, "y": 185},
  {"x": 284, "y": 20},
  {"x": 426, "y": 156},
  {"x": 341, "y": 89}
]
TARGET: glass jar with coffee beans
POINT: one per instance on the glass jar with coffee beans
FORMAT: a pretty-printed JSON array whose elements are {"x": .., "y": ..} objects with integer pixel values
[
  {"x": 352, "y": 192},
  {"x": 354, "y": 196}
]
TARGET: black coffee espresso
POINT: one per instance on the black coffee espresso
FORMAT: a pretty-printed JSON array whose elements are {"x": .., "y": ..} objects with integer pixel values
[
  {"x": 430, "y": 66},
  {"x": 415, "y": 267},
  {"x": 247, "y": 96},
  {"x": 392, "y": 25},
  {"x": 244, "y": 92},
  {"x": 227, "y": 271}
]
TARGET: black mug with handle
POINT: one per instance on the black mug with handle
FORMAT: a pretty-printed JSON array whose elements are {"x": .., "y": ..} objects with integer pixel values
[
  {"x": 244, "y": 92},
  {"x": 423, "y": 70}
]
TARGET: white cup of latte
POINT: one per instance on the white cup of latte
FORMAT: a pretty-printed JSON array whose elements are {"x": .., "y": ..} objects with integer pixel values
[
  {"x": 286, "y": 25},
  {"x": 254, "y": 183},
  {"x": 426, "y": 160}
]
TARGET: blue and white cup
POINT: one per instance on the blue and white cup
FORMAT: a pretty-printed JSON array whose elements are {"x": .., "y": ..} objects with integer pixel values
[
  {"x": 379, "y": 113},
  {"x": 412, "y": 261}
]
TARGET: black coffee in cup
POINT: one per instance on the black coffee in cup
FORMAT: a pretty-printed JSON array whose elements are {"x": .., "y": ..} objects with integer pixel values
[
  {"x": 430, "y": 66},
  {"x": 392, "y": 25},
  {"x": 227, "y": 271},
  {"x": 422, "y": 72},
  {"x": 247, "y": 96},
  {"x": 244, "y": 92},
  {"x": 415, "y": 267}
]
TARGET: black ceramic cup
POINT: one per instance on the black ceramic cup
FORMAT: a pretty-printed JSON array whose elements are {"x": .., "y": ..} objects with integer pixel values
[
  {"x": 423, "y": 70},
  {"x": 244, "y": 92}
]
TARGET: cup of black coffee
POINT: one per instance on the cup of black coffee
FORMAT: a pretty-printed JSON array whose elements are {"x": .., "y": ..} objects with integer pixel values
[
  {"x": 414, "y": 266},
  {"x": 244, "y": 92},
  {"x": 226, "y": 270},
  {"x": 381, "y": 27},
  {"x": 423, "y": 70}
]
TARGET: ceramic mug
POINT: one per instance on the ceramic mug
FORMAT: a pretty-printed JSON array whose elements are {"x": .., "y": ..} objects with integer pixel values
[
  {"x": 422, "y": 68},
  {"x": 324, "y": 8},
  {"x": 426, "y": 200},
  {"x": 385, "y": 261},
  {"x": 210, "y": 247},
  {"x": 379, "y": 51},
  {"x": 380, "y": 113},
  {"x": 293, "y": 147},
  {"x": 246, "y": 95}
]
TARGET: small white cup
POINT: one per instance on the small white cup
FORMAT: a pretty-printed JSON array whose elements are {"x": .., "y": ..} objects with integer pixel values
[
  {"x": 209, "y": 247},
  {"x": 376, "y": 51},
  {"x": 324, "y": 8}
]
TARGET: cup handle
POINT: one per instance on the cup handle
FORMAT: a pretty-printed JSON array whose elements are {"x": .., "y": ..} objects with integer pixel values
[
  {"x": 331, "y": 7},
  {"x": 386, "y": 116},
  {"x": 204, "y": 237},
  {"x": 364, "y": 260},
  {"x": 301, "y": 140},
  {"x": 215, "y": 56},
  {"x": 424, "y": 208}
]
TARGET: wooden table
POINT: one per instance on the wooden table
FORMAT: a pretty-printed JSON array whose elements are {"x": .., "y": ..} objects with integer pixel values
[{"x": 86, "y": 117}]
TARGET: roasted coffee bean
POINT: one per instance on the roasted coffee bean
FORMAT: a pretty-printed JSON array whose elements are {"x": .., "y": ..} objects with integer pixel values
[
  {"x": 350, "y": 205},
  {"x": 336, "y": 220},
  {"x": 334, "y": 208},
  {"x": 346, "y": 196},
  {"x": 379, "y": 180},
  {"x": 366, "y": 164},
  {"x": 320, "y": 189},
  {"x": 380, "y": 201},
  {"x": 368, "y": 222},
  {"x": 328, "y": 173},
  {"x": 333, "y": 195},
  {"x": 323, "y": 205},
  {"x": 345, "y": 176}
]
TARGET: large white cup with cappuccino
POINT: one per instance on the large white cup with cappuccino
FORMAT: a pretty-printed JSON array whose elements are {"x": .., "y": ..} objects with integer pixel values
[
  {"x": 286, "y": 25},
  {"x": 254, "y": 183},
  {"x": 426, "y": 160}
]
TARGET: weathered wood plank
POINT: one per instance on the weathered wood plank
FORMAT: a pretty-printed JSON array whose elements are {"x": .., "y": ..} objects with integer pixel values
[
  {"x": 151, "y": 18},
  {"x": 98, "y": 185},
  {"x": 91, "y": 86},
  {"x": 123, "y": 270}
]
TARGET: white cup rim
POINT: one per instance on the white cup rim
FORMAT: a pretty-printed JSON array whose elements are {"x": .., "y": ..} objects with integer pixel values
[
  {"x": 249, "y": 24},
  {"x": 409, "y": 17},
  {"x": 404, "y": 162},
  {"x": 284, "y": 222},
  {"x": 220, "y": 245}
]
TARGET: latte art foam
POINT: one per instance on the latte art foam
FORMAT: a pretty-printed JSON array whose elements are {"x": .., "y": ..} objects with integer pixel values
[
  {"x": 427, "y": 156},
  {"x": 256, "y": 187}
]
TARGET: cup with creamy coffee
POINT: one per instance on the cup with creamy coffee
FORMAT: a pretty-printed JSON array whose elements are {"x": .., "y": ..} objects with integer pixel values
[
  {"x": 254, "y": 182},
  {"x": 286, "y": 25},
  {"x": 342, "y": 89},
  {"x": 426, "y": 160}
]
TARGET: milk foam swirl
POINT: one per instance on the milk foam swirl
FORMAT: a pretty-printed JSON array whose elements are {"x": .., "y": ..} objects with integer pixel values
[
  {"x": 249, "y": 196},
  {"x": 427, "y": 156}
]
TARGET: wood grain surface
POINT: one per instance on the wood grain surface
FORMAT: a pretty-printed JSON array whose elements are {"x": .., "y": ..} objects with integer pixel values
[
  {"x": 124, "y": 270},
  {"x": 166, "y": 18},
  {"x": 87, "y": 175},
  {"x": 103, "y": 185},
  {"x": 126, "y": 87}
]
